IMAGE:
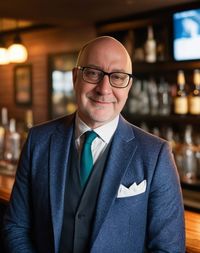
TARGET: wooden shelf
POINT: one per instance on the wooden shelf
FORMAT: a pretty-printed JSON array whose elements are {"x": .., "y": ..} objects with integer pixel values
[
  {"x": 169, "y": 119},
  {"x": 128, "y": 25},
  {"x": 6, "y": 184},
  {"x": 163, "y": 67}
]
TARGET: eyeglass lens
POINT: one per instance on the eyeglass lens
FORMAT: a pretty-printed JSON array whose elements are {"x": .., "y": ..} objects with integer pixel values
[{"x": 117, "y": 79}]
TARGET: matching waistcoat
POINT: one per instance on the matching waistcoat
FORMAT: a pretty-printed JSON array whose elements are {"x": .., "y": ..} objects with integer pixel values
[{"x": 80, "y": 204}]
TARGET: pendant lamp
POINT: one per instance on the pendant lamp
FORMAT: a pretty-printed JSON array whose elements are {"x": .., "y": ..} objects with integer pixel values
[{"x": 17, "y": 52}]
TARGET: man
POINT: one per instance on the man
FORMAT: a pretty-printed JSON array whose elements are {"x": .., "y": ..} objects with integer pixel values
[{"x": 131, "y": 200}]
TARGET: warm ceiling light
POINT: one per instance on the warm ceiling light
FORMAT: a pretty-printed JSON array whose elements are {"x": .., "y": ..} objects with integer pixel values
[
  {"x": 4, "y": 59},
  {"x": 17, "y": 51}
]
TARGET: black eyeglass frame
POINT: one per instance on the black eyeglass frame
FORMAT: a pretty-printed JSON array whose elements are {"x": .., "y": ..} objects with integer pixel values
[{"x": 106, "y": 74}]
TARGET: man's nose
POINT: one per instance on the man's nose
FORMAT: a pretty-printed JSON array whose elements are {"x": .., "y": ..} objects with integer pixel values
[{"x": 104, "y": 86}]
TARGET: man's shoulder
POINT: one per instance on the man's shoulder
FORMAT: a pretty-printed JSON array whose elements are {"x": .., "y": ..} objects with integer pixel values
[
  {"x": 143, "y": 136},
  {"x": 50, "y": 126},
  {"x": 148, "y": 144}
]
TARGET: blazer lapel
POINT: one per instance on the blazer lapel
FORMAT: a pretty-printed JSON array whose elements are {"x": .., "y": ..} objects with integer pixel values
[
  {"x": 59, "y": 154},
  {"x": 121, "y": 153}
]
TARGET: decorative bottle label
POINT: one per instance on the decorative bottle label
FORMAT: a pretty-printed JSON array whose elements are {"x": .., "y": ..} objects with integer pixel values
[
  {"x": 181, "y": 98},
  {"x": 195, "y": 105},
  {"x": 181, "y": 105}
]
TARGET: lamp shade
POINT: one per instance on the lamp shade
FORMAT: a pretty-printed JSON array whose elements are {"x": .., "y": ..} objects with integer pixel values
[
  {"x": 4, "y": 58},
  {"x": 17, "y": 52}
]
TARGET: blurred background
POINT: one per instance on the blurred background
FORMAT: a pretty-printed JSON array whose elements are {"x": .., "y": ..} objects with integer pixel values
[{"x": 39, "y": 42}]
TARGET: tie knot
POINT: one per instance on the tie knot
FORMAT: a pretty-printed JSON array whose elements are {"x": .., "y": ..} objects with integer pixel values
[{"x": 89, "y": 137}]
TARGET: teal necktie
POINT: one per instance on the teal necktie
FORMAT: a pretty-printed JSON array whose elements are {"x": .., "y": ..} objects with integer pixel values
[{"x": 86, "y": 162}]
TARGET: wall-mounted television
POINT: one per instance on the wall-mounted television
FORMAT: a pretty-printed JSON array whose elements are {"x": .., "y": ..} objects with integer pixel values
[{"x": 186, "y": 35}]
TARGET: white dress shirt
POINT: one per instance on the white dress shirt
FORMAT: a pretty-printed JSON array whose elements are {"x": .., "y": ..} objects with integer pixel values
[{"x": 100, "y": 143}]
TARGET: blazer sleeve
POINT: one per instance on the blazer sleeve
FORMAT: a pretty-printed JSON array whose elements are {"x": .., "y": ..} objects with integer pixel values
[
  {"x": 166, "y": 228},
  {"x": 17, "y": 221}
]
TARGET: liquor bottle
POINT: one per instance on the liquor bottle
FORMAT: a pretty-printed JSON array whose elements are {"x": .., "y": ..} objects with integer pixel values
[
  {"x": 181, "y": 98},
  {"x": 12, "y": 145},
  {"x": 150, "y": 46},
  {"x": 189, "y": 168},
  {"x": 4, "y": 117},
  {"x": 3, "y": 127},
  {"x": 153, "y": 96},
  {"x": 194, "y": 98},
  {"x": 169, "y": 136},
  {"x": 143, "y": 101},
  {"x": 164, "y": 98}
]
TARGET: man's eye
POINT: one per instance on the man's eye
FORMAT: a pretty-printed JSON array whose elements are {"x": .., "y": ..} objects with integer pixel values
[
  {"x": 92, "y": 73},
  {"x": 118, "y": 76}
]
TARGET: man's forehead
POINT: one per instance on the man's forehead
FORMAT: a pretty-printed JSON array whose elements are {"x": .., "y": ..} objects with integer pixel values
[
  {"x": 103, "y": 43},
  {"x": 103, "y": 47}
]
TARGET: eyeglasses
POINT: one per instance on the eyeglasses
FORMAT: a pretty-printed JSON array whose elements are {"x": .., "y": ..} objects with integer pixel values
[{"x": 95, "y": 76}]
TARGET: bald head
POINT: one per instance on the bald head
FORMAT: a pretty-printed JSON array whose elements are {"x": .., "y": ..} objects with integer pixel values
[
  {"x": 100, "y": 102},
  {"x": 104, "y": 45}
]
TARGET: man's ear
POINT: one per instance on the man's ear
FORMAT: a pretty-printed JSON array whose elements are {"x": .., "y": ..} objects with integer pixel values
[{"x": 74, "y": 75}]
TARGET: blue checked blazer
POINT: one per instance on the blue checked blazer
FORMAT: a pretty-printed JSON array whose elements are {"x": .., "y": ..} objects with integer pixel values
[{"x": 150, "y": 221}]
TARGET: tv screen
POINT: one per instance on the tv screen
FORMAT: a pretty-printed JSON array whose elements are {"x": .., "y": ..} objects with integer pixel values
[{"x": 186, "y": 29}]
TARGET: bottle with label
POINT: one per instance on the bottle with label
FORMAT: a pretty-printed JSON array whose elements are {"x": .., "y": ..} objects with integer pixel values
[
  {"x": 12, "y": 145},
  {"x": 194, "y": 99},
  {"x": 181, "y": 98},
  {"x": 150, "y": 46}
]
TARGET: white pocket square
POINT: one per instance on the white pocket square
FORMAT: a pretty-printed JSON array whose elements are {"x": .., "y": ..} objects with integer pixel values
[{"x": 133, "y": 190}]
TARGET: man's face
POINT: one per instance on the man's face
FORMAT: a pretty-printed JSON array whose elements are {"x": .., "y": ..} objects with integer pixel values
[{"x": 100, "y": 103}]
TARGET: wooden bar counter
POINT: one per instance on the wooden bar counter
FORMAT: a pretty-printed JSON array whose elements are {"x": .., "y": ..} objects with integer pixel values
[
  {"x": 192, "y": 219},
  {"x": 6, "y": 184}
]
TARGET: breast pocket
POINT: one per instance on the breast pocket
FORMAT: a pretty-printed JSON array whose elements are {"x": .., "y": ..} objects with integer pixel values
[{"x": 132, "y": 200}]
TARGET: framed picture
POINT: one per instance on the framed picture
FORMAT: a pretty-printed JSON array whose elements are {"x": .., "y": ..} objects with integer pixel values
[
  {"x": 61, "y": 91},
  {"x": 23, "y": 84}
]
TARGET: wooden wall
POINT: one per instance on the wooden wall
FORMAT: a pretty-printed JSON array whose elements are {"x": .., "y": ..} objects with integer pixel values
[{"x": 40, "y": 44}]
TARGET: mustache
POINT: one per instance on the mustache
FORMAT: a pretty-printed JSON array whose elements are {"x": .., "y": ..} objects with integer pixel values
[{"x": 102, "y": 99}]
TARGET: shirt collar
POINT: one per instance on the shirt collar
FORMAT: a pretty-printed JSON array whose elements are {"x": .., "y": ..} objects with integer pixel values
[{"x": 105, "y": 132}]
